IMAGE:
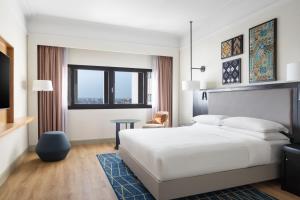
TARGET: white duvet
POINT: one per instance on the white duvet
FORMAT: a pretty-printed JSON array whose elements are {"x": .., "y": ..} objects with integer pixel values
[{"x": 173, "y": 153}]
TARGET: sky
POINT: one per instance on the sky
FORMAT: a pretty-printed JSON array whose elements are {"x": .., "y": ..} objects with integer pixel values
[
  {"x": 90, "y": 84},
  {"x": 123, "y": 84}
]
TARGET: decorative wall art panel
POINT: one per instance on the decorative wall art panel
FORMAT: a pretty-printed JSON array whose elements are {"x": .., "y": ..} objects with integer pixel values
[
  {"x": 231, "y": 72},
  {"x": 262, "y": 52},
  {"x": 237, "y": 45},
  {"x": 226, "y": 49},
  {"x": 232, "y": 47}
]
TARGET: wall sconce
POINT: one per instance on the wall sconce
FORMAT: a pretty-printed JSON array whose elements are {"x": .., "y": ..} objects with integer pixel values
[
  {"x": 190, "y": 84},
  {"x": 202, "y": 69},
  {"x": 203, "y": 84}
]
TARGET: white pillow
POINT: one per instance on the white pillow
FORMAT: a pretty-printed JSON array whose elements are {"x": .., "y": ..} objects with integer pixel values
[
  {"x": 209, "y": 119},
  {"x": 259, "y": 135},
  {"x": 254, "y": 124}
]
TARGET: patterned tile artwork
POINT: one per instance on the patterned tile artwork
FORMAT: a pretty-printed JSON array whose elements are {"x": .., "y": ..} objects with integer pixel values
[
  {"x": 231, "y": 72},
  {"x": 127, "y": 186},
  {"x": 237, "y": 45},
  {"x": 226, "y": 49},
  {"x": 232, "y": 47},
  {"x": 262, "y": 52}
]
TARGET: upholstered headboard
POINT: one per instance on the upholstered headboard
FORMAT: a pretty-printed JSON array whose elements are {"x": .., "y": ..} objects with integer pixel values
[{"x": 276, "y": 102}]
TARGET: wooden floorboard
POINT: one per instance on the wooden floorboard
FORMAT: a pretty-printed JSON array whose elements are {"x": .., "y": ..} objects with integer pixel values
[
  {"x": 273, "y": 188},
  {"x": 79, "y": 177}
]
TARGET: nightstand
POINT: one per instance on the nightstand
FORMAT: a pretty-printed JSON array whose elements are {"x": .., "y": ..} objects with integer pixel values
[{"x": 291, "y": 169}]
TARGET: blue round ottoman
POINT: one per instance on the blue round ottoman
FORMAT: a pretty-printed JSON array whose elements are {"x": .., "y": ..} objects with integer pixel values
[{"x": 53, "y": 146}]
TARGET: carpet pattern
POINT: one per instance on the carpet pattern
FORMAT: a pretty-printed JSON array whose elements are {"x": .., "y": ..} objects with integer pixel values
[{"x": 127, "y": 186}]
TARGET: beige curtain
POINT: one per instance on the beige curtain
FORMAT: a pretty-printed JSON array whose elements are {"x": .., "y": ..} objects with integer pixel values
[
  {"x": 51, "y": 66},
  {"x": 154, "y": 85},
  {"x": 164, "y": 76}
]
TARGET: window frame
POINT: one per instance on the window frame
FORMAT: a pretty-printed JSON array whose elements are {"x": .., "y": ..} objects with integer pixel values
[{"x": 109, "y": 87}]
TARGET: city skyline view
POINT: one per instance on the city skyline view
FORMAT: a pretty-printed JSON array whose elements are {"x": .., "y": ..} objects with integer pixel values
[{"x": 91, "y": 87}]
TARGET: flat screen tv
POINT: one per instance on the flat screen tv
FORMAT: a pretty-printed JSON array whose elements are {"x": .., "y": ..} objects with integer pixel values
[{"x": 4, "y": 81}]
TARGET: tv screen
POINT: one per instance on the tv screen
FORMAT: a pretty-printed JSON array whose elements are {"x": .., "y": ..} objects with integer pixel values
[{"x": 4, "y": 81}]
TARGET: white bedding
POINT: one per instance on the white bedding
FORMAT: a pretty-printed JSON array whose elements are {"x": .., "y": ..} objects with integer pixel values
[{"x": 173, "y": 153}]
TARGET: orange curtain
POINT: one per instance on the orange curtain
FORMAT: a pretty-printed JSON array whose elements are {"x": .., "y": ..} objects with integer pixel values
[
  {"x": 164, "y": 73},
  {"x": 50, "y": 105}
]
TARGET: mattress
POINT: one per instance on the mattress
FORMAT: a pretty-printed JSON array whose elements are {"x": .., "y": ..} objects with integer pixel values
[{"x": 172, "y": 153}]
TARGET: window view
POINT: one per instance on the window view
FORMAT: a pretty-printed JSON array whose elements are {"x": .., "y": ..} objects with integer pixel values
[
  {"x": 126, "y": 87},
  {"x": 93, "y": 87},
  {"x": 90, "y": 87}
]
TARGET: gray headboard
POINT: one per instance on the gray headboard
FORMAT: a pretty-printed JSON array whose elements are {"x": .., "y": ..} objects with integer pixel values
[
  {"x": 274, "y": 104},
  {"x": 277, "y": 102}
]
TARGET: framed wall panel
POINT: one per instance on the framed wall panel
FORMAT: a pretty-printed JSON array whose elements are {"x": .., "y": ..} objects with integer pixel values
[
  {"x": 232, "y": 47},
  {"x": 262, "y": 52}
]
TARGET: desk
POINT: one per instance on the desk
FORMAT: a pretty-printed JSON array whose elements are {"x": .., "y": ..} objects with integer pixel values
[{"x": 118, "y": 123}]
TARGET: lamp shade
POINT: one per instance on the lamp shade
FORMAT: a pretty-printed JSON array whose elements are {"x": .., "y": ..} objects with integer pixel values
[
  {"x": 190, "y": 85},
  {"x": 293, "y": 71},
  {"x": 42, "y": 85},
  {"x": 203, "y": 85}
]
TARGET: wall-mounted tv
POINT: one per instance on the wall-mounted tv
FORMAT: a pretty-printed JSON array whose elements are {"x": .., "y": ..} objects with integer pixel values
[{"x": 4, "y": 81}]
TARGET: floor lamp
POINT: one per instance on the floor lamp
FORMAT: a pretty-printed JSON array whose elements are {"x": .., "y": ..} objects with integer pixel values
[{"x": 41, "y": 86}]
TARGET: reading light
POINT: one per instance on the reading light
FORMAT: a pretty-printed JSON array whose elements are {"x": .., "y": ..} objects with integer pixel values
[
  {"x": 190, "y": 84},
  {"x": 202, "y": 69}
]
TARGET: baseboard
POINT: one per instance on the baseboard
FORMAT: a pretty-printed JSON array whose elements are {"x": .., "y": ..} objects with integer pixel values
[
  {"x": 12, "y": 167},
  {"x": 93, "y": 141}
]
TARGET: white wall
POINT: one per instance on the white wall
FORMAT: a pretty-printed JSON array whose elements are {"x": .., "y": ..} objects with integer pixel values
[
  {"x": 207, "y": 50},
  {"x": 89, "y": 36},
  {"x": 12, "y": 29},
  {"x": 95, "y": 124},
  {"x": 106, "y": 58}
]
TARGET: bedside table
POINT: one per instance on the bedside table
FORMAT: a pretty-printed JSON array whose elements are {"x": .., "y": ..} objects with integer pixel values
[{"x": 291, "y": 169}]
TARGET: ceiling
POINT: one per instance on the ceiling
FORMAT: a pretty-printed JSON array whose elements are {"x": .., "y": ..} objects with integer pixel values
[{"x": 171, "y": 16}]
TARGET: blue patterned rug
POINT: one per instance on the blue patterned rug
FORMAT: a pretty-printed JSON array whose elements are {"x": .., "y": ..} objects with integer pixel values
[{"x": 127, "y": 186}]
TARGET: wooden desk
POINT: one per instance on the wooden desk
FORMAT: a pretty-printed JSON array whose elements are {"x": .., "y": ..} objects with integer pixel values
[{"x": 9, "y": 127}]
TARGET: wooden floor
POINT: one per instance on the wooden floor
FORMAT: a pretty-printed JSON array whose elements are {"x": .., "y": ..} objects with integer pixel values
[{"x": 78, "y": 177}]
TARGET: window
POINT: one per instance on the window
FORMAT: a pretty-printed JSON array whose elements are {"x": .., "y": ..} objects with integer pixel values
[
  {"x": 149, "y": 89},
  {"x": 126, "y": 87},
  {"x": 92, "y": 87}
]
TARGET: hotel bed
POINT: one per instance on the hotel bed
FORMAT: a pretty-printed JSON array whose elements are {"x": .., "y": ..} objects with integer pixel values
[
  {"x": 197, "y": 150},
  {"x": 178, "y": 162}
]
